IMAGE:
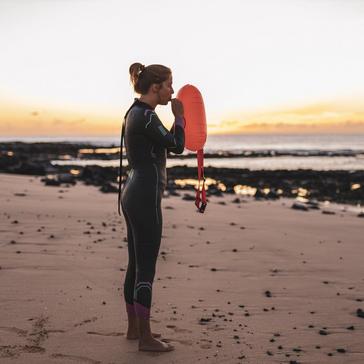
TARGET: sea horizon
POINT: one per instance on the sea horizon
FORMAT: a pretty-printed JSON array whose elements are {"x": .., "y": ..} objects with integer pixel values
[{"x": 228, "y": 142}]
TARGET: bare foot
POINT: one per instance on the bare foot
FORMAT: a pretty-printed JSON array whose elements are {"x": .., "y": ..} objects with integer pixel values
[
  {"x": 154, "y": 345},
  {"x": 133, "y": 335}
]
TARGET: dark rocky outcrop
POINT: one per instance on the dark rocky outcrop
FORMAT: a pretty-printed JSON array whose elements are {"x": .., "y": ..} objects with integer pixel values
[{"x": 335, "y": 185}]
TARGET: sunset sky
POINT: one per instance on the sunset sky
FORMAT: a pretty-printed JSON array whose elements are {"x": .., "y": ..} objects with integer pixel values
[{"x": 262, "y": 66}]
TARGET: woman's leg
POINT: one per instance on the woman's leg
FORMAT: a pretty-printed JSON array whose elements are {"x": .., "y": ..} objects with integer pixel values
[
  {"x": 129, "y": 286},
  {"x": 129, "y": 283},
  {"x": 147, "y": 244}
]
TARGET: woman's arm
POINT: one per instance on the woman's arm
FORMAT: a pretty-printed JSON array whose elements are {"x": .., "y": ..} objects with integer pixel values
[
  {"x": 156, "y": 131},
  {"x": 173, "y": 131}
]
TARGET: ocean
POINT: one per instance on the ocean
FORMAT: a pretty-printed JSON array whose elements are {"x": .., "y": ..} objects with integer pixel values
[
  {"x": 236, "y": 142},
  {"x": 348, "y": 150}
]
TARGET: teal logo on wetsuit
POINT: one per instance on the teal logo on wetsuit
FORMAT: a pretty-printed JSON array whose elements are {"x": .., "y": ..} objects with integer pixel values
[{"x": 162, "y": 130}]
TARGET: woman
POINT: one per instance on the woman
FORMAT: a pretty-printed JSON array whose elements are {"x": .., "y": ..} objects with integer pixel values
[{"x": 146, "y": 143}]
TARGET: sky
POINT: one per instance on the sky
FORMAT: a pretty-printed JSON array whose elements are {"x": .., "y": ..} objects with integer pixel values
[{"x": 262, "y": 66}]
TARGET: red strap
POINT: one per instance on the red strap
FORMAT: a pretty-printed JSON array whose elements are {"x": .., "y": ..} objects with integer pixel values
[{"x": 200, "y": 194}]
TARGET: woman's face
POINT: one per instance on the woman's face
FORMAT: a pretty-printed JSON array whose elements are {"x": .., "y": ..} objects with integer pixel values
[{"x": 166, "y": 90}]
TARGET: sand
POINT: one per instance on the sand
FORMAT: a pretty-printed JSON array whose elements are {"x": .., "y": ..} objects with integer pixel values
[{"x": 255, "y": 282}]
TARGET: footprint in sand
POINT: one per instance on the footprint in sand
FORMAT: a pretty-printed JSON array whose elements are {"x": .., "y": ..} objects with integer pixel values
[
  {"x": 38, "y": 333},
  {"x": 206, "y": 345},
  {"x": 34, "y": 338},
  {"x": 105, "y": 333},
  {"x": 75, "y": 358},
  {"x": 178, "y": 329},
  {"x": 17, "y": 331},
  {"x": 56, "y": 331},
  {"x": 183, "y": 342},
  {"x": 13, "y": 351},
  {"x": 84, "y": 322}
]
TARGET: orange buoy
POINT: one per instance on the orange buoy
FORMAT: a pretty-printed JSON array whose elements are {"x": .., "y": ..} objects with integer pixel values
[
  {"x": 195, "y": 130},
  {"x": 195, "y": 134}
]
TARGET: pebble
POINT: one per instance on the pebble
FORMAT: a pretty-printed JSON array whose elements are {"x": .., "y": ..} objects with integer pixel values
[{"x": 360, "y": 313}]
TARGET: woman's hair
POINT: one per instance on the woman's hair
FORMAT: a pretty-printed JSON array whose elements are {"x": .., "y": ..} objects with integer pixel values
[{"x": 143, "y": 77}]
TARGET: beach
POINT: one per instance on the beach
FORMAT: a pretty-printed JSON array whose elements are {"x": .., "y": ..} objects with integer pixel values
[
  {"x": 251, "y": 282},
  {"x": 258, "y": 105}
]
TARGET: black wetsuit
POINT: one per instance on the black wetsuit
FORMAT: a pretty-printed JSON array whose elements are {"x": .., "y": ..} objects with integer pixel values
[{"x": 146, "y": 143}]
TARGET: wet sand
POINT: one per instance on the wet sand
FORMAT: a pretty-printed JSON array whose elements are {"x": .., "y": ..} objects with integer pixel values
[{"x": 252, "y": 282}]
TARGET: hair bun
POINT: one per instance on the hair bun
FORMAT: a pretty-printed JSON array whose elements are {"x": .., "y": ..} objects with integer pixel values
[{"x": 135, "y": 70}]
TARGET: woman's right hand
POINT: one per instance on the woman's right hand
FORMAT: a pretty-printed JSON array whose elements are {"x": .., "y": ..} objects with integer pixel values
[{"x": 177, "y": 108}]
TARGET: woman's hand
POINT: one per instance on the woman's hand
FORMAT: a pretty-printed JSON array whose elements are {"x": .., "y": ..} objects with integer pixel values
[{"x": 177, "y": 108}]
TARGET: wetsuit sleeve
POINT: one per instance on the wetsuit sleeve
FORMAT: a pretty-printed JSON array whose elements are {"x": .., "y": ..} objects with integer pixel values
[
  {"x": 155, "y": 130},
  {"x": 179, "y": 123}
]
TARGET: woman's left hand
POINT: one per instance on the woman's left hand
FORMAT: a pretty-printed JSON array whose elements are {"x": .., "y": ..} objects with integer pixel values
[{"x": 177, "y": 108}]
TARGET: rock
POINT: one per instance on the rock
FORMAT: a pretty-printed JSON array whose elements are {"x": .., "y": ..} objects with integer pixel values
[
  {"x": 328, "y": 212},
  {"x": 188, "y": 197},
  {"x": 259, "y": 195},
  {"x": 66, "y": 178},
  {"x": 272, "y": 195},
  {"x": 313, "y": 204},
  {"x": 49, "y": 181},
  {"x": 299, "y": 206},
  {"x": 108, "y": 188},
  {"x": 204, "y": 321},
  {"x": 173, "y": 192},
  {"x": 214, "y": 191},
  {"x": 360, "y": 313}
]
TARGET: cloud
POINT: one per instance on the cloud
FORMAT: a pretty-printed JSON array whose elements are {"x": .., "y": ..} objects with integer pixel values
[{"x": 341, "y": 115}]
